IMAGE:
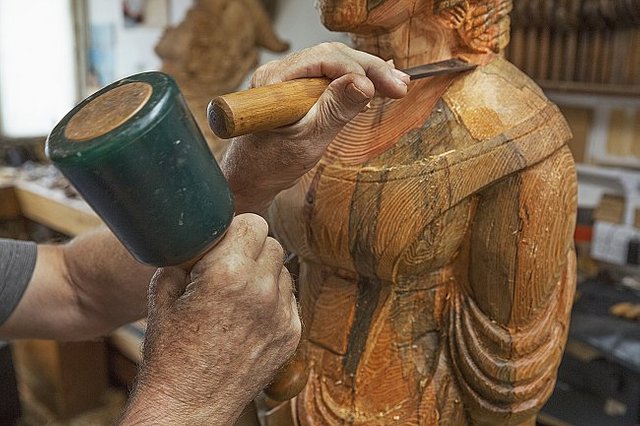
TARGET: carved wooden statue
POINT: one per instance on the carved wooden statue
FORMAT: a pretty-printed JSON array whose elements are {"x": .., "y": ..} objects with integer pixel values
[
  {"x": 437, "y": 267},
  {"x": 212, "y": 51}
]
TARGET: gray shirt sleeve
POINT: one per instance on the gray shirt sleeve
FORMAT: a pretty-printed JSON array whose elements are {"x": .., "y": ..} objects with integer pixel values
[{"x": 17, "y": 262}]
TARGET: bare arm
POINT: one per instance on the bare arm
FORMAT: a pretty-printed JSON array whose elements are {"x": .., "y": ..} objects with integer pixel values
[{"x": 80, "y": 290}]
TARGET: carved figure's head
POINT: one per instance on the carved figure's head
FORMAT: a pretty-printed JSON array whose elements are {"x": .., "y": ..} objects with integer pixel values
[{"x": 483, "y": 25}]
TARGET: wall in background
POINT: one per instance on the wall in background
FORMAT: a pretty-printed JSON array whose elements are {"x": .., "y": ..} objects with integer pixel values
[
  {"x": 117, "y": 49},
  {"x": 122, "y": 35},
  {"x": 298, "y": 22},
  {"x": 37, "y": 53}
]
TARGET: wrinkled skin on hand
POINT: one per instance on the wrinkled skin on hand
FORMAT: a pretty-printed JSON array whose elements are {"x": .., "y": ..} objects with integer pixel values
[
  {"x": 217, "y": 335},
  {"x": 260, "y": 165}
]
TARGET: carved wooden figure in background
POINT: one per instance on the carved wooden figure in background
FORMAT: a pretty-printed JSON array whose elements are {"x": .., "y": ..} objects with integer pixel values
[
  {"x": 437, "y": 267},
  {"x": 212, "y": 51}
]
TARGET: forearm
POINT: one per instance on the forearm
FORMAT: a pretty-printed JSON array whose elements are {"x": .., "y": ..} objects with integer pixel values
[
  {"x": 96, "y": 263},
  {"x": 71, "y": 293},
  {"x": 47, "y": 305},
  {"x": 152, "y": 406}
]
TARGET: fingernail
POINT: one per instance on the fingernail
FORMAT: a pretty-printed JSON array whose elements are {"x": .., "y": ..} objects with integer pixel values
[
  {"x": 355, "y": 95},
  {"x": 402, "y": 77}
]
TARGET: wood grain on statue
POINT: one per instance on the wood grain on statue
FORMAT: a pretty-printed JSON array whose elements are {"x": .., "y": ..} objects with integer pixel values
[
  {"x": 492, "y": 156},
  {"x": 435, "y": 235}
]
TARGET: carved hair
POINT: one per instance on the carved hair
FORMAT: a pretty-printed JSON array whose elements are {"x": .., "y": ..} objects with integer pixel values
[{"x": 483, "y": 25}]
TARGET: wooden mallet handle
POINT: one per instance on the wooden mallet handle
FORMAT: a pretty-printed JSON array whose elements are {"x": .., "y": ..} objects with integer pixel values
[{"x": 264, "y": 108}]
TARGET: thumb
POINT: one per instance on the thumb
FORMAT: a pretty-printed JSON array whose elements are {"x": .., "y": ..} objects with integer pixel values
[
  {"x": 344, "y": 98},
  {"x": 166, "y": 286}
]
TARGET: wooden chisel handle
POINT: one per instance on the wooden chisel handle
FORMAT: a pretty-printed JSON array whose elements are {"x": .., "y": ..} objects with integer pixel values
[{"x": 264, "y": 108}]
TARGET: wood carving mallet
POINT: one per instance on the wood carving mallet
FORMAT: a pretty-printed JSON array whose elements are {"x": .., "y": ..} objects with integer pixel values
[
  {"x": 135, "y": 153},
  {"x": 277, "y": 105}
]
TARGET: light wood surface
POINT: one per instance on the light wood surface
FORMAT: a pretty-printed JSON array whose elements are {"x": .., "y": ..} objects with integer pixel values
[
  {"x": 69, "y": 378},
  {"x": 264, "y": 108},
  {"x": 35, "y": 200},
  {"x": 108, "y": 111},
  {"x": 9, "y": 207},
  {"x": 53, "y": 209}
]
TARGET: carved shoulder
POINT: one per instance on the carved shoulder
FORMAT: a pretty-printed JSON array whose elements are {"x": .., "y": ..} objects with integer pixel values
[{"x": 494, "y": 98}]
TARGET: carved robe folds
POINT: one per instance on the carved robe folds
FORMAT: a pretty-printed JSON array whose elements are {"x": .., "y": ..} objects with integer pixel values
[{"x": 437, "y": 273}]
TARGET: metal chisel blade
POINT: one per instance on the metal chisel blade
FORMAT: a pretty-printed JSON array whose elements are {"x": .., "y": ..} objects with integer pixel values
[{"x": 449, "y": 66}]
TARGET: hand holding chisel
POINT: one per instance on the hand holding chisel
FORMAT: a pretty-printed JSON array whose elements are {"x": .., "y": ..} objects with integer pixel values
[{"x": 269, "y": 107}]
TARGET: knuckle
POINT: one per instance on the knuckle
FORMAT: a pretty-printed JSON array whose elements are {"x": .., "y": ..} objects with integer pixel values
[
  {"x": 293, "y": 336},
  {"x": 338, "y": 46},
  {"x": 266, "y": 286},
  {"x": 233, "y": 266},
  {"x": 286, "y": 275},
  {"x": 270, "y": 64},
  {"x": 296, "y": 328},
  {"x": 331, "y": 114},
  {"x": 275, "y": 245},
  {"x": 255, "y": 80},
  {"x": 261, "y": 75},
  {"x": 327, "y": 47},
  {"x": 247, "y": 226},
  {"x": 253, "y": 221},
  {"x": 286, "y": 327}
]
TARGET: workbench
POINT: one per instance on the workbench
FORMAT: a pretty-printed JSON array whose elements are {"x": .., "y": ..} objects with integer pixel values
[{"x": 51, "y": 207}]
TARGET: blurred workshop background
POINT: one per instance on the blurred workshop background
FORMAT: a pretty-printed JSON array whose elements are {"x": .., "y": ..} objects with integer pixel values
[{"x": 53, "y": 53}]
